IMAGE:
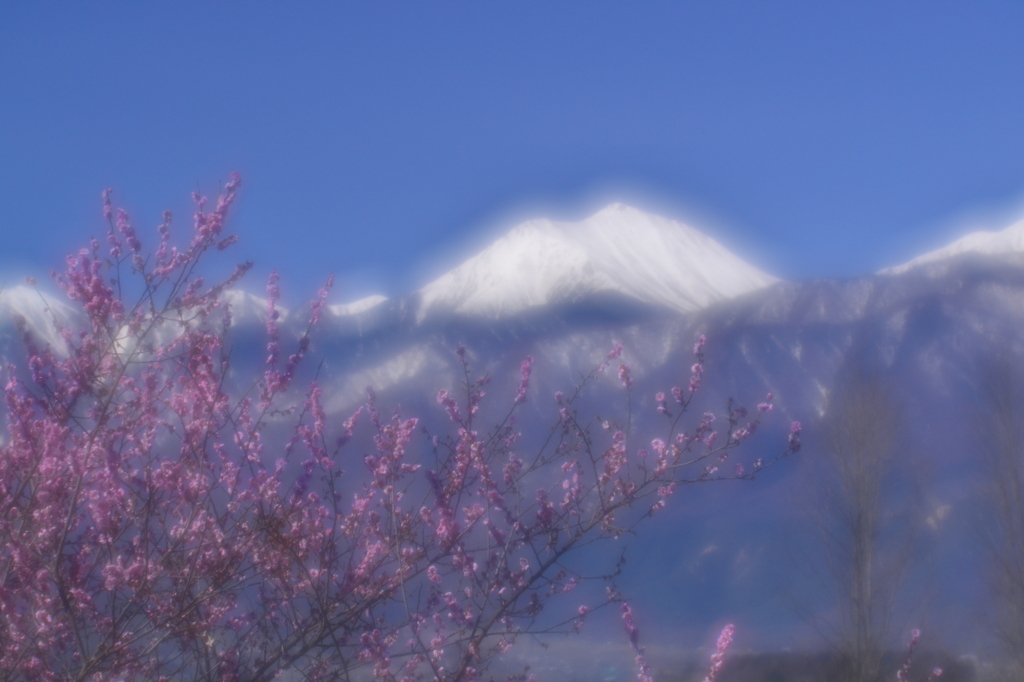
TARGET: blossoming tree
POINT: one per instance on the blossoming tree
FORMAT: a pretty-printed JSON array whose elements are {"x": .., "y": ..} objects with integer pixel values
[{"x": 153, "y": 528}]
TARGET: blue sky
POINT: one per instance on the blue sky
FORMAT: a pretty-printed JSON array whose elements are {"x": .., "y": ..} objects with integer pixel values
[{"x": 383, "y": 141}]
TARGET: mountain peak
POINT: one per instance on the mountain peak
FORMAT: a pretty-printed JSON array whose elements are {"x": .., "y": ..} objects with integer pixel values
[
  {"x": 618, "y": 249},
  {"x": 617, "y": 207}
]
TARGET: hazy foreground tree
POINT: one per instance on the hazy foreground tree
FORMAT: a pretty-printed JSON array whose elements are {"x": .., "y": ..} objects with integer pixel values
[
  {"x": 152, "y": 527},
  {"x": 1000, "y": 431},
  {"x": 867, "y": 546}
]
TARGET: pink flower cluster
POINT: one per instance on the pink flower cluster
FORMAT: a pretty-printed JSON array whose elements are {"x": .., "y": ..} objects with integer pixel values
[
  {"x": 722, "y": 646},
  {"x": 155, "y": 526},
  {"x": 903, "y": 674},
  {"x": 634, "y": 640}
]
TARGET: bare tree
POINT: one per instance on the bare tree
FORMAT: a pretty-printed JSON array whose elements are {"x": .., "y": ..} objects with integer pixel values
[
  {"x": 866, "y": 542},
  {"x": 1000, "y": 431}
]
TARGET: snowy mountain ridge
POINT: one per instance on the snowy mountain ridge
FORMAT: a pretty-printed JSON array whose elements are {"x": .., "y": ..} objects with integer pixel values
[
  {"x": 987, "y": 242},
  {"x": 618, "y": 249}
]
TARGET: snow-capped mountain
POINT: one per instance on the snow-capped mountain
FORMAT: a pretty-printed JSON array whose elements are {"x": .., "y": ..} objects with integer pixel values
[
  {"x": 619, "y": 249},
  {"x": 987, "y": 242}
]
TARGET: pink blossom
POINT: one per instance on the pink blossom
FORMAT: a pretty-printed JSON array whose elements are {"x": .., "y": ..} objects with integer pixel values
[
  {"x": 794, "y": 436},
  {"x": 721, "y": 647},
  {"x": 524, "y": 382},
  {"x": 624, "y": 377},
  {"x": 698, "y": 348}
]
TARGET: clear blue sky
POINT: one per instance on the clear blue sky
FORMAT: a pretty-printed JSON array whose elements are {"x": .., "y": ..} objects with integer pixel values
[{"x": 380, "y": 140}]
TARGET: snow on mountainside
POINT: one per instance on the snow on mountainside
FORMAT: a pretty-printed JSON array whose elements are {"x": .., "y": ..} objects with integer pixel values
[
  {"x": 356, "y": 307},
  {"x": 1010, "y": 240},
  {"x": 619, "y": 249},
  {"x": 248, "y": 309},
  {"x": 39, "y": 312}
]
